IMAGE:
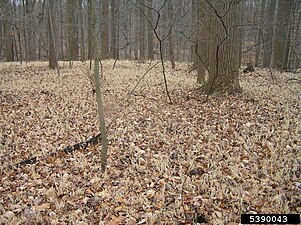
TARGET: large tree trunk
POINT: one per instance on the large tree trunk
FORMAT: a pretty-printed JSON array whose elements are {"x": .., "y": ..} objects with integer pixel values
[{"x": 224, "y": 57}]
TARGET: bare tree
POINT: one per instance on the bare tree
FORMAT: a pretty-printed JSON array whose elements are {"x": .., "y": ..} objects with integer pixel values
[{"x": 100, "y": 108}]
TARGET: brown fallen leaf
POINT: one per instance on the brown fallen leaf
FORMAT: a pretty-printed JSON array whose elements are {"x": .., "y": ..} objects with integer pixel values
[
  {"x": 259, "y": 203},
  {"x": 43, "y": 207},
  {"x": 35, "y": 176},
  {"x": 51, "y": 193},
  {"x": 115, "y": 221}
]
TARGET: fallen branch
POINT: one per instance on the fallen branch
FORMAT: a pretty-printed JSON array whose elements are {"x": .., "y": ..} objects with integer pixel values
[
  {"x": 293, "y": 79},
  {"x": 81, "y": 145}
]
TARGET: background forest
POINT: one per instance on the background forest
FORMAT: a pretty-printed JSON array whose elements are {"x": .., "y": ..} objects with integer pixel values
[
  {"x": 132, "y": 29},
  {"x": 149, "y": 111}
]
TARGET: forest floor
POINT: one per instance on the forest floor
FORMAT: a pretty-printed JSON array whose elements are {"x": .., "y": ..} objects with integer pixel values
[{"x": 195, "y": 160}]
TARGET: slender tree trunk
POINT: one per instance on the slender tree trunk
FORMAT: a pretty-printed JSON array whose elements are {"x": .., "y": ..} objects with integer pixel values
[
  {"x": 91, "y": 24},
  {"x": 282, "y": 29},
  {"x": 127, "y": 29},
  {"x": 62, "y": 54},
  {"x": 1, "y": 36},
  {"x": 195, "y": 26},
  {"x": 113, "y": 49},
  {"x": 82, "y": 34},
  {"x": 29, "y": 26},
  {"x": 150, "y": 33},
  {"x": 260, "y": 21},
  {"x": 268, "y": 34},
  {"x": 170, "y": 36},
  {"x": 117, "y": 54},
  {"x": 105, "y": 29},
  {"x": 24, "y": 25},
  {"x": 72, "y": 31},
  {"x": 135, "y": 20},
  {"x": 141, "y": 33},
  {"x": 7, "y": 30},
  {"x": 201, "y": 50},
  {"x": 242, "y": 33},
  {"x": 100, "y": 108},
  {"x": 102, "y": 124},
  {"x": 294, "y": 54},
  {"x": 53, "y": 63}
]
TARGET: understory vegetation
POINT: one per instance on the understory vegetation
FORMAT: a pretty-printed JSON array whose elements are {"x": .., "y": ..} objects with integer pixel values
[{"x": 201, "y": 159}]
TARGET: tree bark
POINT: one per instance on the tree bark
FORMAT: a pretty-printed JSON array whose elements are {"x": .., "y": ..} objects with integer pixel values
[
  {"x": 105, "y": 29},
  {"x": 268, "y": 34},
  {"x": 260, "y": 21},
  {"x": 29, "y": 27},
  {"x": 82, "y": 34},
  {"x": 53, "y": 63},
  {"x": 141, "y": 33},
  {"x": 201, "y": 49},
  {"x": 224, "y": 57},
  {"x": 294, "y": 53},
  {"x": 100, "y": 108},
  {"x": 282, "y": 32},
  {"x": 242, "y": 32},
  {"x": 7, "y": 30},
  {"x": 170, "y": 35},
  {"x": 150, "y": 34},
  {"x": 91, "y": 25},
  {"x": 113, "y": 49},
  {"x": 72, "y": 30}
]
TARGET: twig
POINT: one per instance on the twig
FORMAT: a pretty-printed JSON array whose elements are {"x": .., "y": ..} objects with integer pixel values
[{"x": 146, "y": 72}]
